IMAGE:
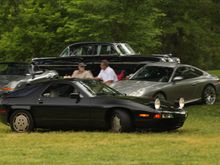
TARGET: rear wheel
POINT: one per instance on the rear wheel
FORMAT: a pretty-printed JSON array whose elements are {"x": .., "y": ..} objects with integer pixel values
[
  {"x": 209, "y": 95},
  {"x": 21, "y": 121},
  {"x": 120, "y": 122}
]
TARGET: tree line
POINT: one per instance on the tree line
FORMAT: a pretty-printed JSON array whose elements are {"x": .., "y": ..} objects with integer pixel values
[{"x": 189, "y": 29}]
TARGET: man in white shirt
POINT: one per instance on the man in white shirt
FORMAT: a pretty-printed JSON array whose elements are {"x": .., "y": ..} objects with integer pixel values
[{"x": 107, "y": 74}]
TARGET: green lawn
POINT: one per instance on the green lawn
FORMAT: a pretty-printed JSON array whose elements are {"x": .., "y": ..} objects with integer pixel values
[
  {"x": 198, "y": 142},
  {"x": 215, "y": 72}
]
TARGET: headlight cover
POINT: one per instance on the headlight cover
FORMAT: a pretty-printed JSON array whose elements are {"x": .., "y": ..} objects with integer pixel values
[
  {"x": 157, "y": 104},
  {"x": 181, "y": 103}
]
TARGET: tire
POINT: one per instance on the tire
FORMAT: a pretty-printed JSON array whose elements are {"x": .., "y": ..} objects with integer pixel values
[
  {"x": 21, "y": 121},
  {"x": 160, "y": 96},
  {"x": 120, "y": 122},
  {"x": 209, "y": 95}
]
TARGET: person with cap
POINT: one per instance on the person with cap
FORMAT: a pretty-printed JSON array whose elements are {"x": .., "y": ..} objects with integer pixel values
[
  {"x": 107, "y": 74},
  {"x": 81, "y": 73}
]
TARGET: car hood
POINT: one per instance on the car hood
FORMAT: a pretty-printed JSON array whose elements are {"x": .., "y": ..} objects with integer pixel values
[
  {"x": 146, "y": 101},
  {"x": 130, "y": 86},
  {"x": 5, "y": 79}
]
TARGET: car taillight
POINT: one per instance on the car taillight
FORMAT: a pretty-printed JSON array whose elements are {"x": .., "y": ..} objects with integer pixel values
[
  {"x": 2, "y": 110},
  {"x": 157, "y": 116},
  {"x": 7, "y": 89}
]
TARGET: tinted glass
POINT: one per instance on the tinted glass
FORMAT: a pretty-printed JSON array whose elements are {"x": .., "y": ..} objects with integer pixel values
[
  {"x": 125, "y": 49},
  {"x": 59, "y": 90},
  {"x": 14, "y": 69},
  {"x": 24, "y": 91},
  {"x": 153, "y": 73},
  {"x": 97, "y": 88},
  {"x": 106, "y": 50},
  {"x": 188, "y": 72},
  {"x": 80, "y": 50}
]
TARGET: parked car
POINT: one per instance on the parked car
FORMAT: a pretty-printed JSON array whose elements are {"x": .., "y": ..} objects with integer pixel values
[
  {"x": 120, "y": 55},
  {"x": 38, "y": 76},
  {"x": 170, "y": 81},
  {"x": 85, "y": 104},
  {"x": 12, "y": 71},
  {"x": 167, "y": 58},
  {"x": 15, "y": 75}
]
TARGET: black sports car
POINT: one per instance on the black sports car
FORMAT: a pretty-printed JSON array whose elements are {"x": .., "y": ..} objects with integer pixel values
[{"x": 85, "y": 104}]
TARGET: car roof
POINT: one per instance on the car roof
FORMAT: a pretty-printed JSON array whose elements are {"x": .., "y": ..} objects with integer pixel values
[
  {"x": 78, "y": 43},
  {"x": 61, "y": 80},
  {"x": 167, "y": 64}
]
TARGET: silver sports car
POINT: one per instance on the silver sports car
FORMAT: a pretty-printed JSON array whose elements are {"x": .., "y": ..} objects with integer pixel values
[{"x": 171, "y": 81}]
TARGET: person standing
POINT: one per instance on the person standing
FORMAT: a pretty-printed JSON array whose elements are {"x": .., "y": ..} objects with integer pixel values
[{"x": 107, "y": 74}]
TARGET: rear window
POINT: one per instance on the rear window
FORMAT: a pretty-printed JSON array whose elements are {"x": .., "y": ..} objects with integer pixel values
[{"x": 24, "y": 91}]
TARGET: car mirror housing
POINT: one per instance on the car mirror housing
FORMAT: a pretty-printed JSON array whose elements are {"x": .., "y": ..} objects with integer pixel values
[
  {"x": 177, "y": 78},
  {"x": 75, "y": 96}
]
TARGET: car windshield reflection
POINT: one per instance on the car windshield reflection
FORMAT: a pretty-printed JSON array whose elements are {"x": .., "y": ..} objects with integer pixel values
[
  {"x": 125, "y": 49},
  {"x": 153, "y": 73},
  {"x": 97, "y": 88}
]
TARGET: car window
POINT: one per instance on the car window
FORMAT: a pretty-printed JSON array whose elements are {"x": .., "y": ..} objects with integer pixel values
[
  {"x": 153, "y": 73},
  {"x": 59, "y": 90},
  {"x": 106, "y": 50},
  {"x": 187, "y": 72},
  {"x": 65, "y": 52},
  {"x": 81, "y": 50},
  {"x": 29, "y": 89}
]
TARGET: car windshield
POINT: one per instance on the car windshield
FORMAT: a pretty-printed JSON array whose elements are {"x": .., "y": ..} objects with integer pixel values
[
  {"x": 125, "y": 49},
  {"x": 14, "y": 69},
  {"x": 98, "y": 88},
  {"x": 153, "y": 73}
]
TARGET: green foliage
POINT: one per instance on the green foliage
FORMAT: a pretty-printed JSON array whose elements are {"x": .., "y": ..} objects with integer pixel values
[{"x": 38, "y": 28}]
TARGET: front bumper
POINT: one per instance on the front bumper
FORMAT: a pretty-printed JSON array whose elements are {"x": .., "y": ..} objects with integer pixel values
[{"x": 177, "y": 121}]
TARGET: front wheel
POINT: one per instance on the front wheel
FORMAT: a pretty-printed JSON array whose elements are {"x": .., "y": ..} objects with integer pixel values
[
  {"x": 209, "y": 95},
  {"x": 120, "y": 122},
  {"x": 21, "y": 121}
]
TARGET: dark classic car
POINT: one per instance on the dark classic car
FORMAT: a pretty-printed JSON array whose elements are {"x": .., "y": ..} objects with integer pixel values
[
  {"x": 85, "y": 104},
  {"x": 170, "y": 81},
  {"x": 120, "y": 55}
]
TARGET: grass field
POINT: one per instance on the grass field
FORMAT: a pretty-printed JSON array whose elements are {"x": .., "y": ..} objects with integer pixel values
[{"x": 198, "y": 142}]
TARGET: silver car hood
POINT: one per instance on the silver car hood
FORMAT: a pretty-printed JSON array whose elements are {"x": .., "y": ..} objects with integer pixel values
[{"x": 130, "y": 86}]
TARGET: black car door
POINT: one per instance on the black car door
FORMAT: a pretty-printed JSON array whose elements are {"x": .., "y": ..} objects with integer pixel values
[{"x": 56, "y": 108}]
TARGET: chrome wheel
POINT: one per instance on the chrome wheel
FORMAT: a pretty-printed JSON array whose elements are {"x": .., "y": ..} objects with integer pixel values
[
  {"x": 21, "y": 122},
  {"x": 209, "y": 95},
  {"x": 116, "y": 124}
]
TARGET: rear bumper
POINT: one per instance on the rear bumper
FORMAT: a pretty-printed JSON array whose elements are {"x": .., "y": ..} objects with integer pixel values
[{"x": 162, "y": 124}]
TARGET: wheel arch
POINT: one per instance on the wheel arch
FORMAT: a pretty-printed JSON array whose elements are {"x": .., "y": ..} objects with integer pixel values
[
  {"x": 110, "y": 111},
  {"x": 161, "y": 92},
  {"x": 13, "y": 110},
  {"x": 209, "y": 84}
]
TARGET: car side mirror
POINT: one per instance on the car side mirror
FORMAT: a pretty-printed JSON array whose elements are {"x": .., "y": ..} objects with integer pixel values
[
  {"x": 75, "y": 96},
  {"x": 177, "y": 78}
]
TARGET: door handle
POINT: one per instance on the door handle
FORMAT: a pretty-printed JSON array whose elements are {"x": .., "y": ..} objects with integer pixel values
[{"x": 40, "y": 101}]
